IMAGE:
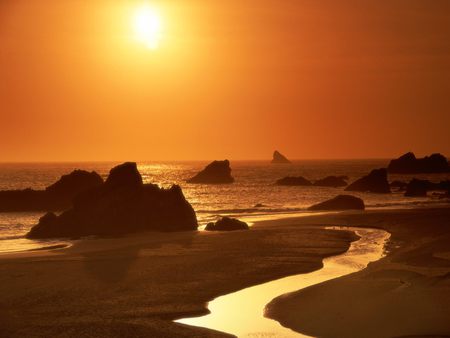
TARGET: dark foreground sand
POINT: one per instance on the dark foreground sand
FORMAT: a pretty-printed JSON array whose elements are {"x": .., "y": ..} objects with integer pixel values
[
  {"x": 406, "y": 294},
  {"x": 135, "y": 286}
]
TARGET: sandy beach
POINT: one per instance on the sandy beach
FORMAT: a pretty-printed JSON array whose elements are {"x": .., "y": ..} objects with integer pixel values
[
  {"x": 136, "y": 286},
  {"x": 405, "y": 294}
]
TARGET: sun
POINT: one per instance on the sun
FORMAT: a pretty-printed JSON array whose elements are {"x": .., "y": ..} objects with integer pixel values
[{"x": 147, "y": 26}]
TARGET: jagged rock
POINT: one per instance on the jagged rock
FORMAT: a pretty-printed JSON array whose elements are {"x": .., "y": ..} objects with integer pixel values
[
  {"x": 341, "y": 202},
  {"x": 217, "y": 172},
  {"x": 227, "y": 224},
  {"x": 417, "y": 188},
  {"x": 331, "y": 181},
  {"x": 123, "y": 204},
  {"x": 375, "y": 182},
  {"x": 57, "y": 196},
  {"x": 409, "y": 164},
  {"x": 294, "y": 181},
  {"x": 279, "y": 158}
]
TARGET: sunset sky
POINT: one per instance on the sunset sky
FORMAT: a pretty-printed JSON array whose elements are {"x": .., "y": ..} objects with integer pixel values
[{"x": 226, "y": 79}]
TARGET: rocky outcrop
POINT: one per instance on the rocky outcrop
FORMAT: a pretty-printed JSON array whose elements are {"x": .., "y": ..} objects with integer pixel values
[
  {"x": 331, "y": 181},
  {"x": 409, "y": 164},
  {"x": 417, "y": 188},
  {"x": 293, "y": 181},
  {"x": 375, "y": 182},
  {"x": 217, "y": 172},
  {"x": 279, "y": 158},
  {"x": 227, "y": 224},
  {"x": 123, "y": 204},
  {"x": 57, "y": 196},
  {"x": 341, "y": 202},
  {"x": 420, "y": 188}
]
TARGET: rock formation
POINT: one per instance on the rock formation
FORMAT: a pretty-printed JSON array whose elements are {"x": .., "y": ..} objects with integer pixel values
[
  {"x": 279, "y": 158},
  {"x": 375, "y": 182},
  {"x": 217, "y": 172},
  {"x": 331, "y": 181},
  {"x": 293, "y": 181},
  {"x": 227, "y": 224},
  {"x": 416, "y": 188},
  {"x": 341, "y": 202},
  {"x": 409, "y": 164},
  {"x": 123, "y": 204},
  {"x": 57, "y": 196}
]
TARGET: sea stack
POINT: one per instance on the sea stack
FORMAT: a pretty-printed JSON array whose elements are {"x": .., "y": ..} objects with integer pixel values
[
  {"x": 123, "y": 204},
  {"x": 279, "y": 158},
  {"x": 409, "y": 164},
  {"x": 376, "y": 181},
  {"x": 217, "y": 172}
]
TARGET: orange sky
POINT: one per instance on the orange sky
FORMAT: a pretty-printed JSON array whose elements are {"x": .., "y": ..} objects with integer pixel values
[{"x": 230, "y": 79}]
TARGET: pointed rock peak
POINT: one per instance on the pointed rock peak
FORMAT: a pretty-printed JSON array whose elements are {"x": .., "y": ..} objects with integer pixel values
[
  {"x": 279, "y": 158},
  {"x": 125, "y": 174}
]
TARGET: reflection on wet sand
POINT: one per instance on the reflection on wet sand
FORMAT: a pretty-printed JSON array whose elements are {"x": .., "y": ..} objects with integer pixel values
[{"x": 242, "y": 313}]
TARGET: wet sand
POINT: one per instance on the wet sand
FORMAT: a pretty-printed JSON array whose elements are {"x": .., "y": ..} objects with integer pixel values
[
  {"x": 136, "y": 286},
  {"x": 406, "y": 294}
]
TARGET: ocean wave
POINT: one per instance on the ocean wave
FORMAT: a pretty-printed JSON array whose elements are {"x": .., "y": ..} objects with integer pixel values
[
  {"x": 250, "y": 210},
  {"x": 408, "y": 203}
]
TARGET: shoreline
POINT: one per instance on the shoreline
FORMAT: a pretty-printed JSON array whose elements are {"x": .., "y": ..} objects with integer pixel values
[
  {"x": 405, "y": 294},
  {"x": 141, "y": 274},
  {"x": 251, "y": 219}
]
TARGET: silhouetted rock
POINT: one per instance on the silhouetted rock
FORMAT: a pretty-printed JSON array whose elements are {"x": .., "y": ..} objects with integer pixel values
[
  {"x": 409, "y": 164},
  {"x": 57, "y": 196},
  {"x": 416, "y": 188},
  {"x": 375, "y": 182},
  {"x": 341, "y": 202},
  {"x": 260, "y": 205},
  {"x": 227, "y": 224},
  {"x": 125, "y": 174},
  {"x": 68, "y": 186},
  {"x": 293, "y": 181},
  {"x": 279, "y": 158},
  {"x": 399, "y": 185},
  {"x": 123, "y": 204},
  {"x": 331, "y": 181},
  {"x": 217, "y": 172}
]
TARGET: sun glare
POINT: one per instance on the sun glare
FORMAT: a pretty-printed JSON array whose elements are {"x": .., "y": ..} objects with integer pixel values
[{"x": 147, "y": 26}]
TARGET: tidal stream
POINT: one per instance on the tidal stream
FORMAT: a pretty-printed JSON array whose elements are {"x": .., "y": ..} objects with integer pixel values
[{"x": 241, "y": 313}]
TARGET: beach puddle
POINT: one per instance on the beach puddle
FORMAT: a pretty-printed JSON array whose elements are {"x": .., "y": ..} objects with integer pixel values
[{"x": 242, "y": 313}]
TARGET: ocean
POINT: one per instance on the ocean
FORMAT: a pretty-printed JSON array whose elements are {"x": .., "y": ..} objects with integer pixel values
[{"x": 253, "y": 195}]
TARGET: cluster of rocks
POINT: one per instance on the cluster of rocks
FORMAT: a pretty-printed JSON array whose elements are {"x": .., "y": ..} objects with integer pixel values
[
  {"x": 329, "y": 181},
  {"x": 120, "y": 205},
  {"x": 409, "y": 164},
  {"x": 57, "y": 196}
]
